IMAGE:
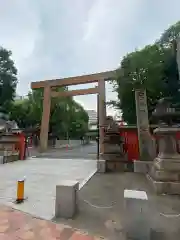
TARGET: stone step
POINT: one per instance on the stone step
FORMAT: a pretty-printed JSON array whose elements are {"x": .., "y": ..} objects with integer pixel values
[
  {"x": 164, "y": 176},
  {"x": 171, "y": 164},
  {"x": 114, "y": 157},
  {"x": 117, "y": 166}
]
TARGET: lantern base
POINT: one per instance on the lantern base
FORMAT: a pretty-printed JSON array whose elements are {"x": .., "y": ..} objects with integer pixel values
[{"x": 171, "y": 188}]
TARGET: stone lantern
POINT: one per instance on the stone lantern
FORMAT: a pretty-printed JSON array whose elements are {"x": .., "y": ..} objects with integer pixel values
[
  {"x": 165, "y": 171},
  {"x": 114, "y": 154}
]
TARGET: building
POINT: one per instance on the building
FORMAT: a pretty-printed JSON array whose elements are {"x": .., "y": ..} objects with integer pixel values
[
  {"x": 92, "y": 116},
  {"x": 93, "y": 119},
  {"x": 18, "y": 97}
]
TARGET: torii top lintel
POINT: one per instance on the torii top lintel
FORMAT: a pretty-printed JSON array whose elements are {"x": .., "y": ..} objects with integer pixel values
[{"x": 109, "y": 75}]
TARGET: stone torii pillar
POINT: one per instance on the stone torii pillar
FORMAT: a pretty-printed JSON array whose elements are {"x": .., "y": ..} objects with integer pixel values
[
  {"x": 45, "y": 118},
  {"x": 102, "y": 113}
]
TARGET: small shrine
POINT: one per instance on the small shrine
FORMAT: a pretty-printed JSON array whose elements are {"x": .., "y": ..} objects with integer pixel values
[
  {"x": 114, "y": 154},
  {"x": 9, "y": 140}
]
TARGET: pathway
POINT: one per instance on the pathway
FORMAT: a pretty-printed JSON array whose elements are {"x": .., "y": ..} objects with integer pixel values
[
  {"x": 82, "y": 152},
  {"x": 42, "y": 173},
  {"x": 42, "y": 176},
  {"x": 15, "y": 225},
  {"x": 101, "y": 208}
]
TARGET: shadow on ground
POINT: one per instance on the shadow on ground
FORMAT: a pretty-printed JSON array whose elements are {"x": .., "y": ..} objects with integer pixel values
[{"x": 102, "y": 213}]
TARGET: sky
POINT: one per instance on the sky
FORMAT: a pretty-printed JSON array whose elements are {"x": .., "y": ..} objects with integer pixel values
[{"x": 63, "y": 38}]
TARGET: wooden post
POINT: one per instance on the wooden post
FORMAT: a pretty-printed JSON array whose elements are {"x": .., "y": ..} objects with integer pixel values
[
  {"x": 102, "y": 113},
  {"x": 143, "y": 125},
  {"x": 45, "y": 119}
]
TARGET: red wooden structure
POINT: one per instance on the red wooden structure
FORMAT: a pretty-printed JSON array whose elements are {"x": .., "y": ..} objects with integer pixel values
[
  {"x": 178, "y": 141},
  {"x": 131, "y": 146},
  {"x": 21, "y": 145}
]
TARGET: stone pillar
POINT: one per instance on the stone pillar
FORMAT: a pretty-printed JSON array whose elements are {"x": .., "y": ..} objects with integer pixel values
[
  {"x": 142, "y": 123},
  {"x": 146, "y": 145},
  {"x": 102, "y": 113},
  {"x": 136, "y": 208},
  {"x": 66, "y": 204},
  {"x": 45, "y": 119},
  {"x": 98, "y": 147}
]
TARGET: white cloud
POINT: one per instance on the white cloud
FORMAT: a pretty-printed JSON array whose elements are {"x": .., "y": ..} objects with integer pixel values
[{"x": 51, "y": 39}]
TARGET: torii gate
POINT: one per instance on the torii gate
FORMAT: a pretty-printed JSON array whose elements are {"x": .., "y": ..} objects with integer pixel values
[{"x": 48, "y": 86}]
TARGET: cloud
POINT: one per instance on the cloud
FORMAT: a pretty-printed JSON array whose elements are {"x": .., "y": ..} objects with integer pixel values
[{"x": 54, "y": 39}]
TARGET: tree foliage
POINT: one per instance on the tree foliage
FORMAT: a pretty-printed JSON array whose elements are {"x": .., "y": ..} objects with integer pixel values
[
  {"x": 153, "y": 68},
  {"x": 67, "y": 117},
  {"x": 8, "y": 79}
]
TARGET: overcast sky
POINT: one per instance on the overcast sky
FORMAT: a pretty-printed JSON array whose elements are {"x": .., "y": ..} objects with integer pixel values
[{"x": 61, "y": 38}]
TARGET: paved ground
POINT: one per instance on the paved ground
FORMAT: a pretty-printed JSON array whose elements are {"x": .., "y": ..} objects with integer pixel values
[
  {"x": 42, "y": 176},
  {"x": 101, "y": 199},
  {"x": 82, "y": 152},
  {"x": 15, "y": 225},
  {"x": 102, "y": 208},
  {"x": 42, "y": 173}
]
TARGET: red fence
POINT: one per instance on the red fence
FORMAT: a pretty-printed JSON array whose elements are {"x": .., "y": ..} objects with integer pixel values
[{"x": 131, "y": 142}]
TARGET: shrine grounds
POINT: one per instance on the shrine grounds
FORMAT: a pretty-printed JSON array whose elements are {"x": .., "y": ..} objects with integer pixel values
[
  {"x": 42, "y": 175},
  {"x": 101, "y": 200},
  {"x": 102, "y": 208}
]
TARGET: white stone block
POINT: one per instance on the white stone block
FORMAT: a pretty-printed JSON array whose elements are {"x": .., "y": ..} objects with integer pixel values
[
  {"x": 136, "y": 212},
  {"x": 134, "y": 194},
  {"x": 66, "y": 205},
  {"x": 101, "y": 166}
]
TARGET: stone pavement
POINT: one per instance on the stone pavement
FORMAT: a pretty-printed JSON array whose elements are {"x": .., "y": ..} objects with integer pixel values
[
  {"x": 42, "y": 176},
  {"x": 101, "y": 207},
  {"x": 15, "y": 225},
  {"x": 82, "y": 152}
]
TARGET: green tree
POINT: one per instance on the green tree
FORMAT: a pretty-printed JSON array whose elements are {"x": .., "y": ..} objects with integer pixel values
[
  {"x": 19, "y": 113},
  {"x": 8, "y": 79},
  {"x": 78, "y": 124},
  {"x": 170, "y": 34},
  {"x": 171, "y": 75},
  {"x": 67, "y": 117},
  {"x": 139, "y": 69},
  {"x": 153, "y": 68}
]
